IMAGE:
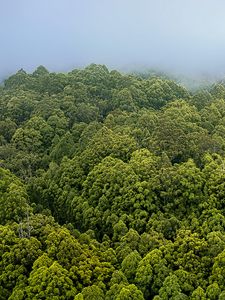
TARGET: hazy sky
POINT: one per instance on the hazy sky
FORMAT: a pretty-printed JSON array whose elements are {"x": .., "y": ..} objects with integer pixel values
[{"x": 183, "y": 35}]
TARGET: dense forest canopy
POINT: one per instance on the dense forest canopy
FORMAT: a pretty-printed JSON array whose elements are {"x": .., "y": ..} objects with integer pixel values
[{"x": 112, "y": 186}]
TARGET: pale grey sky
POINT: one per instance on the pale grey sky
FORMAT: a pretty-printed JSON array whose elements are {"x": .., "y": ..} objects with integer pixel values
[{"x": 181, "y": 35}]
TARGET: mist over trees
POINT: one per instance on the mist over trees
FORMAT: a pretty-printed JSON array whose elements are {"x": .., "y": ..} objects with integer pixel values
[{"x": 111, "y": 187}]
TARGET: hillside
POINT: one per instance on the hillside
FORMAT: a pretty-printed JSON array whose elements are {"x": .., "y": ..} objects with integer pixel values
[{"x": 112, "y": 186}]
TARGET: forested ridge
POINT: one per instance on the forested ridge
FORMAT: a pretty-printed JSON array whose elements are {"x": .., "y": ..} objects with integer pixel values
[{"x": 112, "y": 186}]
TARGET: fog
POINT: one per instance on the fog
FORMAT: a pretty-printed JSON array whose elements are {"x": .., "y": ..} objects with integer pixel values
[{"x": 185, "y": 36}]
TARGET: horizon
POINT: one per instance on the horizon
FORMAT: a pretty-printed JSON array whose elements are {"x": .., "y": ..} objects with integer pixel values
[{"x": 190, "y": 81}]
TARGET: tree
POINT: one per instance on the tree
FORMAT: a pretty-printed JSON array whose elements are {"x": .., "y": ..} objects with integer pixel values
[
  {"x": 18, "y": 256},
  {"x": 65, "y": 147},
  {"x": 151, "y": 273},
  {"x": 106, "y": 142},
  {"x": 123, "y": 100},
  {"x": 130, "y": 264},
  {"x": 92, "y": 293},
  {"x": 40, "y": 71},
  {"x": 201, "y": 98},
  {"x": 27, "y": 140},
  {"x": 198, "y": 294},
  {"x": 13, "y": 198},
  {"x": 182, "y": 187},
  {"x": 64, "y": 248},
  {"x": 171, "y": 290},
  {"x": 130, "y": 292},
  {"x": 50, "y": 282}
]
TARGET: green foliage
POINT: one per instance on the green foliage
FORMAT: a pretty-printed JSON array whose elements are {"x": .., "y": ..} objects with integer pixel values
[
  {"x": 13, "y": 198},
  {"x": 130, "y": 264},
  {"x": 91, "y": 292},
  {"x": 130, "y": 292},
  {"x": 50, "y": 282},
  {"x": 151, "y": 272},
  {"x": 111, "y": 187}
]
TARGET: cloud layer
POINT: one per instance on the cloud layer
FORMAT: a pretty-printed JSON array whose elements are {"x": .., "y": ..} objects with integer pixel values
[{"x": 178, "y": 35}]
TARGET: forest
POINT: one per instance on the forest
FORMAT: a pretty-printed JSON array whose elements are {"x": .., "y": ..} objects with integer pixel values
[{"x": 112, "y": 187}]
